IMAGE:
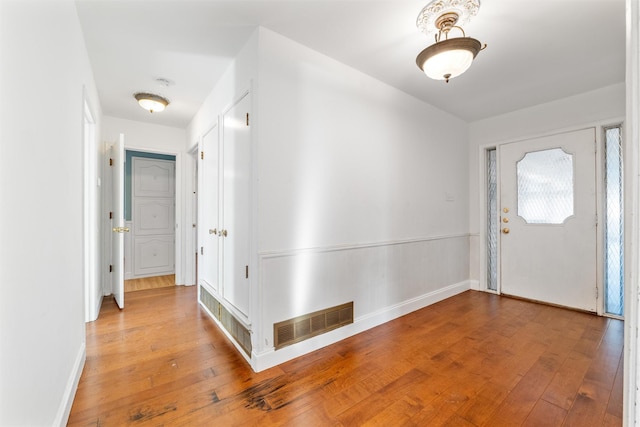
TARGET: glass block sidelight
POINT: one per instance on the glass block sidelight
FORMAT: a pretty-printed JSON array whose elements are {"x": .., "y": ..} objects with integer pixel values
[
  {"x": 614, "y": 223},
  {"x": 492, "y": 220},
  {"x": 545, "y": 186}
]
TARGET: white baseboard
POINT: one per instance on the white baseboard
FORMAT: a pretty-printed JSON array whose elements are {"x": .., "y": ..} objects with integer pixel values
[
  {"x": 271, "y": 358},
  {"x": 72, "y": 386},
  {"x": 474, "y": 284}
]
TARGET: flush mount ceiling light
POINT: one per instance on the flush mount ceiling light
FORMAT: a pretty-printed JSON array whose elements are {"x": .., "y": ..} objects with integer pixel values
[
  {"x": 151, "y": 102},
  {"x": 448, "y": 58}
]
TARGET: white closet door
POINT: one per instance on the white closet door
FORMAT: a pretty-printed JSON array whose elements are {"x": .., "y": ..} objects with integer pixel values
[
  {"x": 209, "y": 224},
  {"x": 236, "y": 204}
]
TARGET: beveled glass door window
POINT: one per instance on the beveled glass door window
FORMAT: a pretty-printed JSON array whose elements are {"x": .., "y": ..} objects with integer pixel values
[{"x": 545, "y": 186}]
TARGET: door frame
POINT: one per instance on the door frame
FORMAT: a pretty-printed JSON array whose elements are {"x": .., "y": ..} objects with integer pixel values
[
  {"x": 179, "y": 206},
  {"x": 192, "y": 203},
  {"x": 600, "y": 209},
  {"x": 631, "y": 140},
  {"x": 91, "y": 207},
  {"x": 179, "y": 213}
]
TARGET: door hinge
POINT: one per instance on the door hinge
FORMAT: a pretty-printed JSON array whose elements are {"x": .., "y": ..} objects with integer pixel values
[
  {"x": 202, "y": 155},
  {"x": 110, "y": 268},
  {"x": 110, "y": 215},
  {"x": 246, "y": 271},
  {"x": 247, "y": 119},
  {"x": 110, "y": 162},
  {"x": 201, "y": 250}
]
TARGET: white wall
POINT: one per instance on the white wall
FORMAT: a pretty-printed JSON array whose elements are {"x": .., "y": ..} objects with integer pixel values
[
  {"x": 42, "y": 338},
  {"x": 237, "y": 79},
  {"x": 362, "y": 195},
  {"x": 144, "y": 136},
  {"x": 586, "y": 109},
  {"x": 140, "y": 136},
  {"x": 360, "y": 192}
]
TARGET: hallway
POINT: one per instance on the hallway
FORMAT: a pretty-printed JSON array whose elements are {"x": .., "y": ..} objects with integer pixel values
[{"x": 474, "y": 359}]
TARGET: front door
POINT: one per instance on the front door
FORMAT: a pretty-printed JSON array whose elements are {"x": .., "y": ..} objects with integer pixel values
[{"x": 548, "y": 219}]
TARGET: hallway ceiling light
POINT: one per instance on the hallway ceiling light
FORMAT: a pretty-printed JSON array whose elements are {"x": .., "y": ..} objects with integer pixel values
[
  {"x": 450, "y": 57},
  {"x": 151, "y": 102}
]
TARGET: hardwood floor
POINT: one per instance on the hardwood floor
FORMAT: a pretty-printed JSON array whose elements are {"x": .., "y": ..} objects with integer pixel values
[
  {"x": 473, "y": 360},
  {"x": 150, "y": 283}
]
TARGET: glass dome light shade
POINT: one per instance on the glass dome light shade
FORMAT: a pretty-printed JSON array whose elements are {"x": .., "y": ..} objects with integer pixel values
[
  {"x": 150, "y": 102},
  {"x": 449, "y": 58}
]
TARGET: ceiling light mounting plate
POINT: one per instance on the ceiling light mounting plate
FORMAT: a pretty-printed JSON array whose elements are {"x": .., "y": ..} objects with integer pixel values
[{"x": 428, "y": 18}]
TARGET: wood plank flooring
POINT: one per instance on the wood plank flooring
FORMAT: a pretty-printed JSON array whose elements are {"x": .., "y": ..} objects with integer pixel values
[
  {"x": 149, "y": 283},
  {"x": 473, "y": 360}
]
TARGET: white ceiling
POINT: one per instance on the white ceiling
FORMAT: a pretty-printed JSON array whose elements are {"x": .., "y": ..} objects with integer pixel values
[{"x": 538, "y": 50}]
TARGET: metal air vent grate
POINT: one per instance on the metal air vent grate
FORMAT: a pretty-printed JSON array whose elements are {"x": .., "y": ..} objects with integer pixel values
[
  {"x": 309, "y": 325},
  {"x": 237, "y": 330}
]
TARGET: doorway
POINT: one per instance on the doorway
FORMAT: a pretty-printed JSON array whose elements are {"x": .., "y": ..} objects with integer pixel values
[
  {"x": 542, "y": 229},
  {"x": 150, "y": 203},
  {"x": 548, "y": 219}
]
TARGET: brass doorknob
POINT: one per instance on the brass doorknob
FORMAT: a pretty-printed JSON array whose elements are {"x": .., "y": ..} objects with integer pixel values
[
  {"x": 505, "y": 230},
  {"x": 223, "y": 233},
  {"x": 214, "y": 231}
]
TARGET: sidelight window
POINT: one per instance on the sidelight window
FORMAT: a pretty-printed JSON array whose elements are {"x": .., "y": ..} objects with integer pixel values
[{"x": 614, "y": 223}]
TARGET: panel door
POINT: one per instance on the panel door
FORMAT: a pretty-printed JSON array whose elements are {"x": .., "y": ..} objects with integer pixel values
[
  {"x": 153, "y": 177},
  {"x": 117, "y": 239},
  {"x": 154, "y": 255},
  {"x": 153, "y": 215},
  {"x": 208, "y": 223},
  {"x": 236, "y": 204},
  {"x": 548, "y": 219}
]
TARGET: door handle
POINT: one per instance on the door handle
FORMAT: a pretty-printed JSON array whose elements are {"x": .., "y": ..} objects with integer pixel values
[
  {"x": 505, "y": 230},
  {"x": 223, "y": 233},
  {"x": 120, "y": 229},
  {"x": 214, "y": 231}
]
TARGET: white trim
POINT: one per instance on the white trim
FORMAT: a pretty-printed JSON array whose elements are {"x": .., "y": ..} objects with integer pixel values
[
  {"x": 191, "y": 241},
  {"x": 270, "y": 357},
  {"x": 482, "y": 208},
  {"x": 632, "y": 238},
  {"x": 91, "y": 226},
  {"x": 556, "y": 131},
  {"x": 294, "y": 252},
  {"x": 72, "y": 386},
  {"x": 601, "y": 172}
]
